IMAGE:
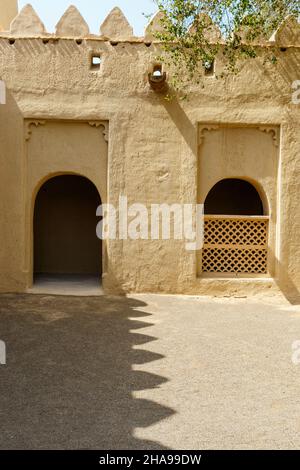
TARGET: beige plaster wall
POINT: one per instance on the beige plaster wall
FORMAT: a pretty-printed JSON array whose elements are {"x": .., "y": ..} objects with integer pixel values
[
  {"x": 153, "y": 152},
  {"x": 8, "y": 11}
]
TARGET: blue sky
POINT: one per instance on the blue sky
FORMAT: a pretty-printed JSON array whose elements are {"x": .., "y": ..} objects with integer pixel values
[{"x": 94, "y": 11}]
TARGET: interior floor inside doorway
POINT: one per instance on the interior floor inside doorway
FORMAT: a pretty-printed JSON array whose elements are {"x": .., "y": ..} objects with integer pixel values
[{"x": 67, "y": 284}]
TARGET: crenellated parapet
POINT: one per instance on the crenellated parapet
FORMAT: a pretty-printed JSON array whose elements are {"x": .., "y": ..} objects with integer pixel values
[{"x": 116, "y": 28}]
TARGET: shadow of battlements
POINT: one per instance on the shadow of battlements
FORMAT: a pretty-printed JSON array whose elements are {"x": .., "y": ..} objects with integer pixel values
[{"x": 69, "y": 381}]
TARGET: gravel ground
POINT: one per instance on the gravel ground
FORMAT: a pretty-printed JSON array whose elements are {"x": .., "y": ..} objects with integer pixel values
[{"x": 148, "y": 372}]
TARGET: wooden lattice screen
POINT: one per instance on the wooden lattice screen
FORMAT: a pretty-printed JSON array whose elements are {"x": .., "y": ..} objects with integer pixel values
[{"x": 235, "y": 244}]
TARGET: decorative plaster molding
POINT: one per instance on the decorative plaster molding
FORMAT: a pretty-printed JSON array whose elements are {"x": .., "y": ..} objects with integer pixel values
[
  {"x": 28, "y": 127},
  {"x": 206, "y": 128},
  {"x": 273, "y": 131},
  {"x": 39, "y": 122},
  {"x": 104, "y": 125}
]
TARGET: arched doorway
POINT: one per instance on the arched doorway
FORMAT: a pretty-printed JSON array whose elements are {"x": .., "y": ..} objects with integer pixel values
[
  {"x": 65, "y": 241},
  {"x": 236, "y": 230},
  {"x": 233, "y": 197}
]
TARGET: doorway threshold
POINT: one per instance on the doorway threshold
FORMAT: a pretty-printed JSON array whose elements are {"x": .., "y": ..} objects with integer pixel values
[{"x": 67, "y": 284}]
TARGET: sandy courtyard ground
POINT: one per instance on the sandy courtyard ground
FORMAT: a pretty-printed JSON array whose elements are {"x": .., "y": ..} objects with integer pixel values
[{"x": 148, "y": 372}]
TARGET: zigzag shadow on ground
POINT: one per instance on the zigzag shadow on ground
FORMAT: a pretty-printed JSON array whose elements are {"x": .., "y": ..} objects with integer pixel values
[{"x": 69, "y": 379}]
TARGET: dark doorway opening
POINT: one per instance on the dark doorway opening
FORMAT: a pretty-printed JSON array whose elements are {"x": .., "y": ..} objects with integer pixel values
[
  {"x": 65, "y": 240},
  {"x": 233, "y": 197}
]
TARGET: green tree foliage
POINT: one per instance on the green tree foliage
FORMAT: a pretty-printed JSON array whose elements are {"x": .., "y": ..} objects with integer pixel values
[{"x": 195, "y": 31}]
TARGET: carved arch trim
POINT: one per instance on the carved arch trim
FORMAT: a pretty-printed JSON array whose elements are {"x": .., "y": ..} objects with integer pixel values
[
  {"x": 273, "y": 131},
  {"x": 103, "y": 125},
  {"x": 29, "y": 129},
  {"x": 31, "y": 123},
  {"x": 205, "y": 128}
]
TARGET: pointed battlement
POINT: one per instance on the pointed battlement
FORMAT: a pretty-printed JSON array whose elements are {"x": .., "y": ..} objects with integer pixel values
[
  {"x": 212, "y": 32},
  {"x": 155, "y": 26},
  {"x": 72, "y": 24},
  {"x": 27, "y": 23},
  {"x": 288, "y": 34},
  {"x": 116, "y": 28}
]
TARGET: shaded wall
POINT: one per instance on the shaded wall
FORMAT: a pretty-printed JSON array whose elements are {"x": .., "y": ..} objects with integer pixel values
[{"x": 12, "y": 216}]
